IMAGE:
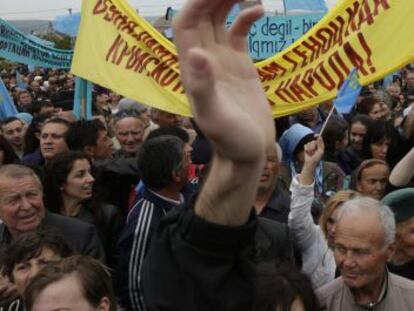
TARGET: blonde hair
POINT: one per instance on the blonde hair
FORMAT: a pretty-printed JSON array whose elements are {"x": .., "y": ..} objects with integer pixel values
[{"x": 332, "y": 204}]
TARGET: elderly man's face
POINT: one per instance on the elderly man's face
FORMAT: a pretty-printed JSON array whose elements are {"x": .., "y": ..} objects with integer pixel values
[
  {"x": 360, "y": 250},
  {"x": 130, "y": 133},
  {"x": 270, "y": 171},
  {"x": 21, "y": 204}
]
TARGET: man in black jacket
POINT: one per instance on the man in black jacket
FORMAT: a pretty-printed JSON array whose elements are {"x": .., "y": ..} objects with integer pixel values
[
  {"x": 22, "y": 210},
  {"x": 202, "y": 259}
]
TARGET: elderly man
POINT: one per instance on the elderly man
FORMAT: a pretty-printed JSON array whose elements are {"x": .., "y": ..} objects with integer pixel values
[
  {"x": 273, "y": 199},
  {"x": 22, "y": 210},
  {"x": 364, "y": 236},
  {"x": 129, "y": 131}
]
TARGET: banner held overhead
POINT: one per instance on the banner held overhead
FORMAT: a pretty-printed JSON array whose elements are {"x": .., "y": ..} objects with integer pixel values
[{"x": 119, "y": 50}]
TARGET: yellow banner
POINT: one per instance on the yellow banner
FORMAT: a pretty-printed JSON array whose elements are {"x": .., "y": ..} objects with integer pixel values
[{"x": 119, "y": 50}]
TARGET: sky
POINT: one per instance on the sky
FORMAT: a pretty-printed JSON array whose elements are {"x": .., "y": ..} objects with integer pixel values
[{"x": 48, "y": 9}]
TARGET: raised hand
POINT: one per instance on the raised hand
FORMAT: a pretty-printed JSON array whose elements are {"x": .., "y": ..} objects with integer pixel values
[
  {"x": 314, "y": 151},
  {"x": 220, "y": 79}
]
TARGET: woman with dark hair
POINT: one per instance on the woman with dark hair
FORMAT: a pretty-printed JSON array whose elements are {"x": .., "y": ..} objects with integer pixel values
[
  {"x": 335, "y": 137},
  {"x": 7, "y": 154},
  {"x": 352, "y": 155},
  {"x": 379, "y": 139},
  {"x": 69, "y": 189}
]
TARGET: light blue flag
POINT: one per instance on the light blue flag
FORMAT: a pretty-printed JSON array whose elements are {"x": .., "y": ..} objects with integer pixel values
[
  {"x": 307, "y": 5},
  {"x": 21, "y": 85},
  {"x": 82, "y": 106},
  {"x": 7, "y": 107},
  {"x": 67, "y": 24},
  {"x": 348, "y": 93}
]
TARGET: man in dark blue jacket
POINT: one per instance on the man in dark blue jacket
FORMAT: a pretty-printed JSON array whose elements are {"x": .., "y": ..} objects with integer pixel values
[{"x": 163, "y": 166}]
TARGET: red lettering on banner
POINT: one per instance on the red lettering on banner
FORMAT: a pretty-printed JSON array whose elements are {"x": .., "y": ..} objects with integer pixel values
[
  {"x": 356, "y": 59},
  {"x": 274, "y": 68},
  {"x": 297, "y": 89},
  {"x": 338, "y": 72},
  {"x": 365, "y": 16},
  {"x": 325, "y": 80},
  {"x": 326, "y": 40},
  {"x": 100, "y": 7},
  {"x": 366, "y": 48},
  {"x": 352, "y": 13},
  {"x": 338, "y": 30},
  {"x": 314, "y": 47},
  {"x": 301, "y": 54},
  {"x": 113, "y": 50},
  {"x": 384, "y": 3},
  {"x": 282, "y": 91},
  {"x": 308, "y": 81},
  {"x": 290, "y": 60},
  {"x": 156, "y": 73}
]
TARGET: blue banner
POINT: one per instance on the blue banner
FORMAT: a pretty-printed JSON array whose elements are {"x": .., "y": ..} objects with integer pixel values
[
  {"x": 307, "y": 5},
  {"x": 7, "y": 107},
  {"x": 82, "y": 106},
  {"x": 67, "y": 24},
  {"x": 272, "y": 34},
  {"x": 17, "y": 47}
]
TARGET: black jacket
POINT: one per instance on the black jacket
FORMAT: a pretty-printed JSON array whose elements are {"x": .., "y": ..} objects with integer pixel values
[
  {"x": 195, "y": 265},
  {"x": 82, "y": 237}
]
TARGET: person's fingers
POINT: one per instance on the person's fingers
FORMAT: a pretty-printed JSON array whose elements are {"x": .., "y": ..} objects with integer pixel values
[
  {"x": 186, "y": 27},
  {"x": 200, "y": 84},
  {"x": 219, "y": 18},
  {"x": 241, "y": 26}
]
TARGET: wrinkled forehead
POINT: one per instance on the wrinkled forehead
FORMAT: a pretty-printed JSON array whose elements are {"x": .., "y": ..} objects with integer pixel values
[{"x": 10, "y": 183}]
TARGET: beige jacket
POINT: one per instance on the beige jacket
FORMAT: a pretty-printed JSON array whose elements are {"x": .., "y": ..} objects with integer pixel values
[{"x": 398, "y": 295}]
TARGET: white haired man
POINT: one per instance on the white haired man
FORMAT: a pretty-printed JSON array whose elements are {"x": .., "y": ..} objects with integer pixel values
[{"x": 364, "y": 242}]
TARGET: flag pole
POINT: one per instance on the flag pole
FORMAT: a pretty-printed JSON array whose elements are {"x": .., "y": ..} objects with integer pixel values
[{"x": 327, "y": 119}]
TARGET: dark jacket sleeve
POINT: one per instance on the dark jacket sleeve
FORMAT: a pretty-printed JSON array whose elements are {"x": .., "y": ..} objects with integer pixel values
[{"x": 196, "y": 265}]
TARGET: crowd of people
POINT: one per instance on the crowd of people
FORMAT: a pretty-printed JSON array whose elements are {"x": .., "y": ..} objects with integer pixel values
[{"x": 142, "y": 209}]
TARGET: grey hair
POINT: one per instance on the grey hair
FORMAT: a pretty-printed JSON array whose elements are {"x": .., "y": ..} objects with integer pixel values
[
  {"x": 359, "y": 205},
  {"x": 18, "y": 171}
]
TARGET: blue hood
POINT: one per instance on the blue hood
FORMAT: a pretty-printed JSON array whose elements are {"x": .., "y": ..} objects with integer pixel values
[{"x": 291, "y": 138}]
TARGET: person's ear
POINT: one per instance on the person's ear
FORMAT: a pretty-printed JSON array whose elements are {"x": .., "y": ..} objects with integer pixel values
[
  {"x": 104, "y": 304},
  {"x": 89, "y": 150},
  {"x": 176, "y": 177},
  {"x": 391, "y": 250}
]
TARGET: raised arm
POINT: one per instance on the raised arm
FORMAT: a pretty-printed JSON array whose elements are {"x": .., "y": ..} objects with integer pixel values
[
  {"x": 302, "y": 188},
  {"x": 403, "y": 172},
  {"x": 228, "y": 104}
]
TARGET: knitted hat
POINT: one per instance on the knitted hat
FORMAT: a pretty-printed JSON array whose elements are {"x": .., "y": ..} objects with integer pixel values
[{"x": 402, "y": 203}]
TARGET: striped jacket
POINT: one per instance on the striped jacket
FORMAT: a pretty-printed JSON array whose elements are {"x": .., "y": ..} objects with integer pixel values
[{"x": 141, "y": 225}]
